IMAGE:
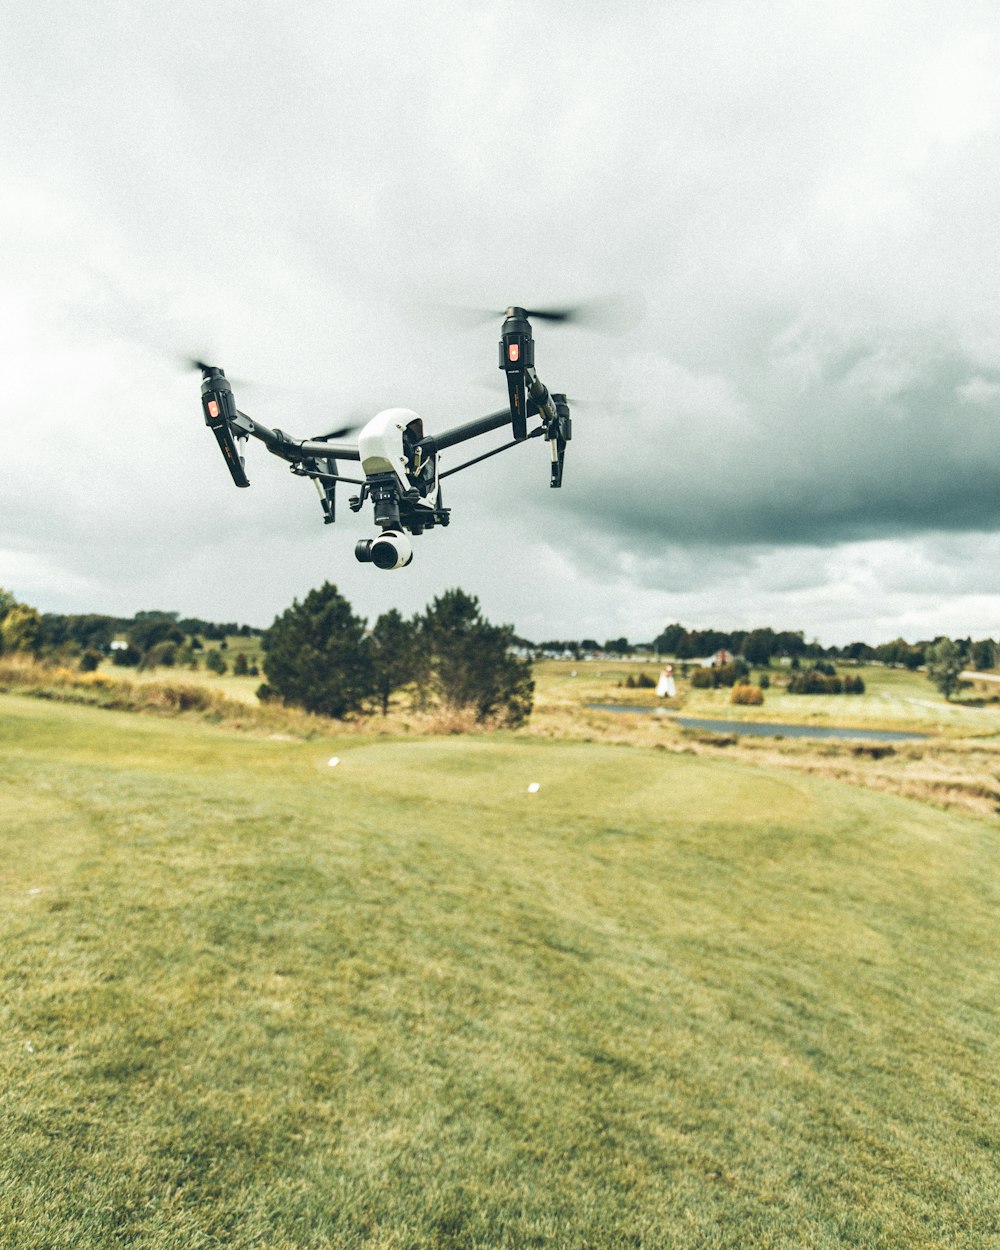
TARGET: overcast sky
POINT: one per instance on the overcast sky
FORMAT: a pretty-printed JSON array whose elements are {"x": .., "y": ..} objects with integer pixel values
[{"x": 802, "y": 427}]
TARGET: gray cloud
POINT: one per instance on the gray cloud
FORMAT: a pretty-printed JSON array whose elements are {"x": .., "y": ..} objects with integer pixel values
[
  {"x": 859, "y": 441},
  {"x": 805, "y": 201}
]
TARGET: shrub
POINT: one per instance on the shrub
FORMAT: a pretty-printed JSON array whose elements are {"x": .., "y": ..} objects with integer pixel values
[
  {"x": 812, "y": 681},
  {"x": 723, "y": 675},
  {"x": 752, "y": 696},
  {"x": 215, "y": 663},
  {"x": 126, "y": 657},
  {"x": 164, "y": 654}
]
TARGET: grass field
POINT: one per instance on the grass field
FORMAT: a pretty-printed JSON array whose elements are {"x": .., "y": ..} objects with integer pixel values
[
  {"x": 894, "y": 698},
  {"x": 252, "y": 1000}
]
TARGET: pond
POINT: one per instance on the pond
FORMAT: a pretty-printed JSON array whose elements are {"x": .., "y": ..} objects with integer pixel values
[{"x": 765, "y": 729}]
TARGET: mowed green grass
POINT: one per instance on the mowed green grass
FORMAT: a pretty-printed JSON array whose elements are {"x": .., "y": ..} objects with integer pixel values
[
  {"x": 250, "y": 1000},
  {"x": 894, "y": 698}
]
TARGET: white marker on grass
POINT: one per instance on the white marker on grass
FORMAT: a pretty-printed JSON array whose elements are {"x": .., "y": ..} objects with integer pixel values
[
  {"x": 333, "y": 761},
  {"x": 534, "y": 788}
]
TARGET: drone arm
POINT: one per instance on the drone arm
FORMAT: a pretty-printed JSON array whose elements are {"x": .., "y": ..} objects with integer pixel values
[
  {"x": 281, "y": 444},
  {"x": 462, "y": 433}
]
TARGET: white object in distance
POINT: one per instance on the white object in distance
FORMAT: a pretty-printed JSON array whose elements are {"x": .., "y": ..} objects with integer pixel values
[{"x": 534, "y": 788}]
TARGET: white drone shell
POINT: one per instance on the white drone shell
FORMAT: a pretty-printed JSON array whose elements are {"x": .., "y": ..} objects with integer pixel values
[{"x": 380, "y": 443}]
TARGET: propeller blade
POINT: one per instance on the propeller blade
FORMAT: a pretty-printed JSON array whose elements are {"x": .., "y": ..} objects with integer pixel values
[
  {"x": 192, "y": 362},
  {"x": 613, "y": 314},
  {"x": 553, "y": 314},
  {"x": 332, "y": 435}
]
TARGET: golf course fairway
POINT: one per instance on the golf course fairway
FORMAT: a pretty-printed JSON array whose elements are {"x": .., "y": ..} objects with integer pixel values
[{"x": 252, "y": 999}]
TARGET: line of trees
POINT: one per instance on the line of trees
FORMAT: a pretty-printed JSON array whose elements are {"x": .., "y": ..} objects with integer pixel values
[
  {"x": 319, "y": 656},
  {"x": 439, "y": 653},
  {"x": 761, "y": 646},
  {"x": 151, "y": 638}
]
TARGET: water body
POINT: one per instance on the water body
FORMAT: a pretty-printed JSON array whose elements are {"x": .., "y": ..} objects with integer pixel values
[{"x": 766, "y": 729}]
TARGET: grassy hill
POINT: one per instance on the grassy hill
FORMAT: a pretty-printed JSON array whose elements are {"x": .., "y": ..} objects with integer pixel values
[{"x": 252, "y": 1000}]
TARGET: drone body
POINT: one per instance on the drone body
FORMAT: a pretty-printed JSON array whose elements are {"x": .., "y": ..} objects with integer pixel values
[{"x": 399, "y": 462}]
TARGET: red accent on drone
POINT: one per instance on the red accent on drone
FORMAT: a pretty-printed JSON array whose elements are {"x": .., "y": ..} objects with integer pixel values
[
  {"x": 213, "y": 408},
  {"x": 513, "y": 351}
]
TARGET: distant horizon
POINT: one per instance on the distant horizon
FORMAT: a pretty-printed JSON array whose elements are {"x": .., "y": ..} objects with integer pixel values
[{"x": 810, "y": 637}]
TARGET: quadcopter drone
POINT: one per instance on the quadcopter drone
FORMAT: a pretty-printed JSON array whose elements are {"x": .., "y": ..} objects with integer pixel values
[{"x": 400, "y": 462}]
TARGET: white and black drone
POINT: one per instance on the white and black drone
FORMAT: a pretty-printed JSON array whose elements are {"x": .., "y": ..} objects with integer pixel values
[{"x": 400, "y": 462}]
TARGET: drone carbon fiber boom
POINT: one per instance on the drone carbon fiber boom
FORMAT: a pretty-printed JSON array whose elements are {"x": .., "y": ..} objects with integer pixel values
[{"x": 400, "y": 462}]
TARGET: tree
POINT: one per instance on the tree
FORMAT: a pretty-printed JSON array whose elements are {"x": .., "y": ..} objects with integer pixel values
[
  {"x": 468, "y": 661},
  {"x": 984, "y": 654},
  {"x": 913, "y": 657},
  {"x": 944, "y": 664},
  {"x": 316, "y": 657},
  {"x": 7, "y": 601},
  {"x": 21, "y": 629},
  {"x": 215, "y": 662},
  {"x": 668, "y": 642},
  {"x": 240, "y": 665},
  {"x": 758, "y": 647},
  {"x": 395, "y": 652},
  {"x": 152, "y": 628}
]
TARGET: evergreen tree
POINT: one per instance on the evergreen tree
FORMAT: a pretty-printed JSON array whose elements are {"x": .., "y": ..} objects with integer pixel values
[
  {"x": 395, "y": 655},
  {"x": 468, "y": 662},
  {"x": 316, "y": 657}
]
